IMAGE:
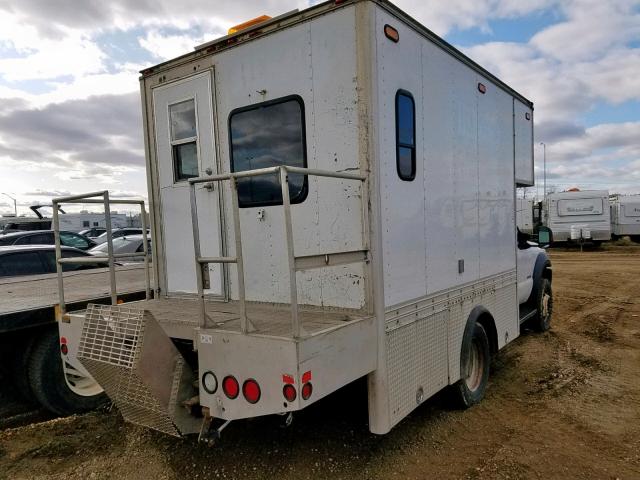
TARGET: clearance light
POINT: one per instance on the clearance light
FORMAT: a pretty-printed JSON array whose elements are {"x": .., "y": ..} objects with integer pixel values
[
  {"x": 209, "y": 382},
  {"x": 64, "y": 349},
  {"x": 230, "y": 387},
  {"x": 481, "y": 88},
  {"x": 289, "y": 392},
  {"x": 391, "y": 33},
  {"x": 248, "y": 23},
  {"x": 251, "y": 391},
  {"x": 307, "y": 390}
]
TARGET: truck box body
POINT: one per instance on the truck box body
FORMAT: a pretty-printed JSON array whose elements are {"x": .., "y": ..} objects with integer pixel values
[
  {"x": 387, "y": 266},
  {"x": 625, "y": 215},
  {"x": 587, "y": 210}
]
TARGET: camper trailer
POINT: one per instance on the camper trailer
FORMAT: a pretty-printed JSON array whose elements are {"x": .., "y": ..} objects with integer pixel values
[
  {"x": 333, "y": 196},
  {"x": 524, "y": 214},
  {"x": 625, "y": 216},
  {"x": 576, "y": 216}
]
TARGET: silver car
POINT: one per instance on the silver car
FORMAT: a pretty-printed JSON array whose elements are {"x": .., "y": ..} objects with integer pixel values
[{"x": 125, "y": 244}]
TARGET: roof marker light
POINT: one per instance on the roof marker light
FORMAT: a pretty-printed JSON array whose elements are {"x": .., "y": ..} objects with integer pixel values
[{"x": 391, "y": 33}]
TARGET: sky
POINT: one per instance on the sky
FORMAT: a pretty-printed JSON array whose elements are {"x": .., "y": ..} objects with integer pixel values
[{"x": 70, "y": 119}]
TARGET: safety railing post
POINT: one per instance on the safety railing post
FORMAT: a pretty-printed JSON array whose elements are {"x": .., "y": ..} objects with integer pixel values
[
  {"x": 145, "y": 250},
  {"x": 196, "y": 251},
  {"x": 242, "y": 301},
  {"x": 56, "y": 236},
  {"x": 286, "y": 203},
  {"x": 112, "y": 265}
]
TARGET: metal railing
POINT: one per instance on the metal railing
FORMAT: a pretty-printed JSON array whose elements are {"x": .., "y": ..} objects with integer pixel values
[
  {"x": 111, "y": 257},
  {"x": 295, "y": 263}
]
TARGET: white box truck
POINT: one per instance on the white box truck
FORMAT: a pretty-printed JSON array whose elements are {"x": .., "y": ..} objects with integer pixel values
[
  {"x": 333, "y": 196},
  {"x": 625, "y": 216},
  {"x": 579, "y": 215}
]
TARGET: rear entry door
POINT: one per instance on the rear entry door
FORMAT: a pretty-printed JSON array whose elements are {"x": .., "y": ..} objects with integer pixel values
[{"x": 185, "y": 148}]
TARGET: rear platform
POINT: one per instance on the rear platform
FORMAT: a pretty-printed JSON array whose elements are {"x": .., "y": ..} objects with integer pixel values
[{"x": 179, "y": 316}]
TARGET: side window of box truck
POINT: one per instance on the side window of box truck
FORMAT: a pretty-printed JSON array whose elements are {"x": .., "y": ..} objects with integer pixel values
[{"x": 405, "y": 135}]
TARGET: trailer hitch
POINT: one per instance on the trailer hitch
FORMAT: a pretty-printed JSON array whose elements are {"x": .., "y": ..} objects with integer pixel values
[{"x": 208, "y": 433}]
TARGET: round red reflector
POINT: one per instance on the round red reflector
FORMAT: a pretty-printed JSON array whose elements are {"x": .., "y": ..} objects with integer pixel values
[
  {"x": 289, "y": 392},
  {"x": 64, "y": 349},
  {"x": 63, "y": 339},
  {"x": 230, "y": 387},
  {"x": 307, "y": 390},
  {"x": 251, "y": 390}
]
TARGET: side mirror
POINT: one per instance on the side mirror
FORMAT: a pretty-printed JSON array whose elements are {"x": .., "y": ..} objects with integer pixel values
[{"x": 545, "y": 236}]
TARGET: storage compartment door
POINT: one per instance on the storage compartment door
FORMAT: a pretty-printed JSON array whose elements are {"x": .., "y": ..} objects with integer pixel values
[{"x": 185, "y": 148}]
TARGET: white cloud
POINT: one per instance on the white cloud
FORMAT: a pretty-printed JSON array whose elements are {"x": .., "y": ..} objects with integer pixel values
[{"x": 165, "y": 47}]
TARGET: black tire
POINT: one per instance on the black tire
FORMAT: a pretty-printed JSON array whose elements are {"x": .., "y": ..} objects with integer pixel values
[
  {"x": 48, "y": 383},
  {"x": 19, "y": 368},
  {"x": 475, "y": 360},
  {"x": 541, "y": 322}
]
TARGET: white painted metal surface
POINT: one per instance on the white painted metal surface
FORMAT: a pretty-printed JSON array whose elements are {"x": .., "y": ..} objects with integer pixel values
[
  {"x": 587, "y": 209},
  {"x": 625, "y": 215}
]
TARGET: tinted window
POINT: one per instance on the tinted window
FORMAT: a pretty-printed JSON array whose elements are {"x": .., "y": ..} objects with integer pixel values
[
  {"x": 405, "y": 135},
  {"x": 184, "y": 139},
  {"x": 267, "y": 135},
  {"x": 73, "y": 240},
  {"x": 21, "y": 263},
  {"x": 36, "y": 239}
]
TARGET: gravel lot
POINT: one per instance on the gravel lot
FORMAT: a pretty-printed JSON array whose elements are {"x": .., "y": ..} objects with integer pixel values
[{"x": 565, "y": 404}]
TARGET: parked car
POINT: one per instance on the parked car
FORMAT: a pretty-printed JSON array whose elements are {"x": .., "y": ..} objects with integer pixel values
[
  {"x": 45, "y": 237},
  {"x": 92, "y": 232},
  {"x": 17, "y": 260},
  {"x": 119, "y": 232},
  {"x": 126, "y": 244}
]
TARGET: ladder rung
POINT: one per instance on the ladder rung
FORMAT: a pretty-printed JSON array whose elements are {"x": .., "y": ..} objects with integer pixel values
[{"x": 203, "y": 260}]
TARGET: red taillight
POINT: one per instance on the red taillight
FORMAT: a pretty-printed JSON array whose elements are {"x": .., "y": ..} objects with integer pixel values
[
  {"x": 307, "y": 390},
  {"x": 289, "y": 392},
  {"x": 64, "y": 349},
  {"x": 251, "y": 390},
  {"x": 230, "y": 387}
]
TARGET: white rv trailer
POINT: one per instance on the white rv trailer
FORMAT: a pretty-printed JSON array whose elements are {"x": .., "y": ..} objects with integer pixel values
[
  {"x": 333, "y": 197},
  {"x": 579, "y": 214},
  {"x": 625, "y": 216},
  {"x": 524, "y": 214}
]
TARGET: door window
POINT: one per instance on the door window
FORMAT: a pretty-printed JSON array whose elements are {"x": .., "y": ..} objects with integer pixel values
[
  {"x": 23, "y": 263},
  {"x": 184, "y": 139},
  {"x": 265, "y": 135}
]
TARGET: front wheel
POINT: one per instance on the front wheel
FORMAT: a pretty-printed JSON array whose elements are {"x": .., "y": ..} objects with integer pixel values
[
  {"x": 544, "y": 306},
  {"x": 475, "y": 361}
]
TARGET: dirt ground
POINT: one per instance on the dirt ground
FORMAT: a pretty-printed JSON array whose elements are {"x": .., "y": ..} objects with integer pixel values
[{"x": 565, "y": 404}]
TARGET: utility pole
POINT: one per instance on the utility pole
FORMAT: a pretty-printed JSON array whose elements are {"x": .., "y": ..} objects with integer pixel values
[
  {"x": 15, "y": 205},
  {"x": 544, "y": 169}
]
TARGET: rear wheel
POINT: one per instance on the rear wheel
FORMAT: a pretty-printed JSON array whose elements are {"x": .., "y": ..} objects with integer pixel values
[
  {"x": 59, "y": 387},
  {"x": 475, "y": 361},
  {"x": 544, "y": 306}
]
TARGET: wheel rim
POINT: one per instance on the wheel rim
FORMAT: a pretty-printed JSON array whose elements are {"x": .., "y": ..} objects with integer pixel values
[
  {"x": 475, "y": 367},
  {"x": 80, "y": 383}
]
